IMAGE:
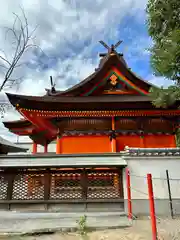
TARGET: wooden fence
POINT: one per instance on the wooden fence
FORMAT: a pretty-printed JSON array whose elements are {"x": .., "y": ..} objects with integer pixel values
[{"x": 60, "y": 185}]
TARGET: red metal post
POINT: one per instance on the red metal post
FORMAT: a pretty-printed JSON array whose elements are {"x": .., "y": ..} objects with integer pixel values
[
  {"x": 129, "y": 193},
  {"x": 152, "y": 207}
]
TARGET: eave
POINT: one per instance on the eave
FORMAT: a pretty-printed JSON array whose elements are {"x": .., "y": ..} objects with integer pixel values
[
  {"x": 8, "y": 147},
  {"x": 17, "y": 124},
  {"x": 98, "y": 103}
]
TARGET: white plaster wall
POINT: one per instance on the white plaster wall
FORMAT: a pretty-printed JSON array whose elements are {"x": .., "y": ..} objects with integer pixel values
[
  {"x": 139, "y": 167},
  {"x": 40, "y": 149}
]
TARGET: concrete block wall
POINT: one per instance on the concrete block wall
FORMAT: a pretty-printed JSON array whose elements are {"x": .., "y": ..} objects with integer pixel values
[{"x": 139, "y": 167}]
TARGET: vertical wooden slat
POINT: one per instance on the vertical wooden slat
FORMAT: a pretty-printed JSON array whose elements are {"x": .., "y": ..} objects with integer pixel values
[
  {"x": 47, "y": 184},
  {"x": 10, "y": 177},
  {"x": 84, "y": 184}
]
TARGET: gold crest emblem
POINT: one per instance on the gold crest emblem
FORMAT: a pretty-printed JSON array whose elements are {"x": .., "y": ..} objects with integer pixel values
[{"x": 113, "y": 79}]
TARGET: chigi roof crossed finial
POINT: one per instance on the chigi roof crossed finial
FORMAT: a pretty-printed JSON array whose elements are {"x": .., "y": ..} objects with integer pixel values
[{"x": 110, "y": 49}]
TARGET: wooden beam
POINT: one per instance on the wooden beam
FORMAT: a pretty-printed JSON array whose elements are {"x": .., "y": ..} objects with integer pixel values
[
  {"x": 40, "y": 122},
  {"x": 105, "y": 54},
  {"x": 22, "y": 131},
  {"x": 104, "y": 113}
]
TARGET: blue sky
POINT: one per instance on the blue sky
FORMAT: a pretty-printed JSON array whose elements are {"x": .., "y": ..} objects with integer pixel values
[{"x": 68, "y": 33}]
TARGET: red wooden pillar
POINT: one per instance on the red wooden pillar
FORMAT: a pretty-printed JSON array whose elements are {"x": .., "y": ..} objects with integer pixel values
[
  {"x": 174, "y": 143},
  {"x": 34, "y": 148},
  {"x": 46, "y": 148},
  {"x": 142, "y": 141},
  {"x": 152, "y": 207},
  {"x": 58, "y": 144},
  {"x": 113, "y": 141}
]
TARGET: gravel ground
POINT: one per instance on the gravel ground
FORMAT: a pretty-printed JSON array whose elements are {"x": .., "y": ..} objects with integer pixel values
[{"x": 141, "y": 230}]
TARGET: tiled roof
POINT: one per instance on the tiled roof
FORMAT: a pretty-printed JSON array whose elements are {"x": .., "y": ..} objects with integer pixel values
[
  {"x": 63, "y": 160},
  {"x": 9, "y": 147},
  {"x": 151, "y": 151}
]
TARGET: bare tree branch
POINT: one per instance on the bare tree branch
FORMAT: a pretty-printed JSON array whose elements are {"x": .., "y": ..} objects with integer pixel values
[
  {"x": 22, "y": 41},
  {"x": 5, "y": 60},
  {"x": 1, "y": 50}
]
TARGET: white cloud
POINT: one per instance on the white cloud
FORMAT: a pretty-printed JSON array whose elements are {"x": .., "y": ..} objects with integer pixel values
[
  {"x": 64, "y": 27},
  {"x": 62, "y": 24},
  {"x": 160, "y": 81}
]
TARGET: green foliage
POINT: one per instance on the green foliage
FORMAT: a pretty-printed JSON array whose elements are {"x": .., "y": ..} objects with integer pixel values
[
  {"x": 163, "y": 98},
  {"x": 82, "y": 227},
  {"x": 165, "y": 57},
  {"x": 163, "y": 17},
  {"x": 164, "y": 28}
]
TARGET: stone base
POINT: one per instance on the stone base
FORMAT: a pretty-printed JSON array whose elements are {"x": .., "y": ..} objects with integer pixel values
[
  {"x": 140, "y": 207},
  {"x": 24, "y": 223},
  {"x": 64, "y": 207}
]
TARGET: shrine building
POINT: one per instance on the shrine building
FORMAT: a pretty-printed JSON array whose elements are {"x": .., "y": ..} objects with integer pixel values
[
  {"x": 91, "y": 123},
  {"x": 105, "y": 112}
]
